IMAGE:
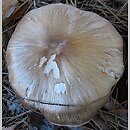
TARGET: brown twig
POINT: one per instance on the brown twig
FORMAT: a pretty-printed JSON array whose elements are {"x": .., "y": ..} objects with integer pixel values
[{"x": 112, "y": 13}]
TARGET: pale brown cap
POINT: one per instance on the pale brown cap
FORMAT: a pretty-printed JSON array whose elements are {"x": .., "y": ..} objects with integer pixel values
[{"x": 59, "y": 54}]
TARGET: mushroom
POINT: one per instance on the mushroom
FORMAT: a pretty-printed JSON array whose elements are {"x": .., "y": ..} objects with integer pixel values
[{"x": 64, "y": 62}]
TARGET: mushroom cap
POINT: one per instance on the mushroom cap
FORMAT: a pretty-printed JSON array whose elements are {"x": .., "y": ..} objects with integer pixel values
[{"x": 64, "y": 62}]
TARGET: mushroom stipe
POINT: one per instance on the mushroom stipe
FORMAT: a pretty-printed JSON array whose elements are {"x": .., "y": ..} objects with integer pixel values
[{"x": 65, "y": 57}]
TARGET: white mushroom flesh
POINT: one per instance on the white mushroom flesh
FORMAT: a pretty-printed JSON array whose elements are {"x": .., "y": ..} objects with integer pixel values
[{"x": 59, "y": 54}]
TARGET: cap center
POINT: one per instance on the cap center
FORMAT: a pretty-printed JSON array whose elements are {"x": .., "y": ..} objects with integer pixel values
[{"x": 56, "y": 47}]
